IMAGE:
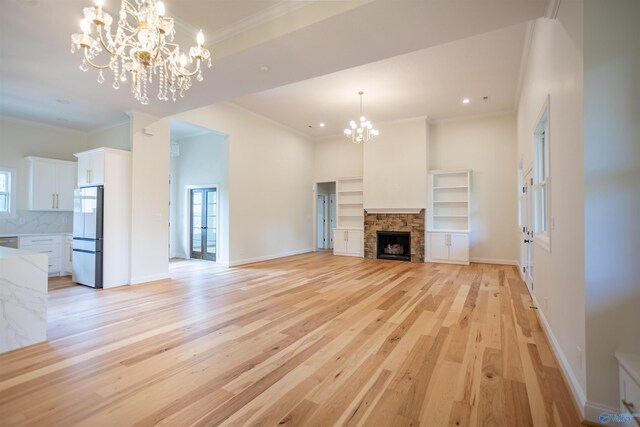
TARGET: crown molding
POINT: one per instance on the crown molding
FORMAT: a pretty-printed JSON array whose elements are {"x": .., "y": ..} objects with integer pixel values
[
  {"x": 524, "y": 61},
  {"x": 552, "y": 9},
  {"x": 253, "y": 21}
]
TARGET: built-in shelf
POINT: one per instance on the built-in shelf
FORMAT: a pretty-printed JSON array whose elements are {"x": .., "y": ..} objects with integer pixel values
[
  {"x": 449, "y": 200},
  {"x": 450, "y": 187},
  {"x": 349, "y": 203}
]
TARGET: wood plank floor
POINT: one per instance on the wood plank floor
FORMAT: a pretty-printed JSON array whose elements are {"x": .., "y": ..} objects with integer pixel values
[{"x": 314, "y": 340}]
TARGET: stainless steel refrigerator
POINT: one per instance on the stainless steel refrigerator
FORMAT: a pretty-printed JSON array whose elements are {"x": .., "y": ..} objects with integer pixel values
[{"x": 87, "y": 236}]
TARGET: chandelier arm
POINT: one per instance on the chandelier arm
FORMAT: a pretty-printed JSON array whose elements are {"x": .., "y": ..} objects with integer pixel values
[
  {"x": 102, "y": 42},
  {"x": 187, "y": 73},
  {"x": 99, "y": 67}
]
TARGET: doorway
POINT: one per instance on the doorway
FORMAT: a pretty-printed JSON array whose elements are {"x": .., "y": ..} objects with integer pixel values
[
  {"x": 325, "y": 208},
  {"x": 203, "y": 224},
  {"x": 527, "y": 229}
]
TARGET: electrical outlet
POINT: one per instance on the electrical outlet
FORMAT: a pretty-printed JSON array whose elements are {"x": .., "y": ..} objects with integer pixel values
[{"x": 579, "y": 355}]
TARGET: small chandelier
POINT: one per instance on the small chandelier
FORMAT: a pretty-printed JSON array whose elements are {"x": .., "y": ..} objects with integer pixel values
[
  {"x": 362, "y": 132},
  {"x": 141, "y": 49}
]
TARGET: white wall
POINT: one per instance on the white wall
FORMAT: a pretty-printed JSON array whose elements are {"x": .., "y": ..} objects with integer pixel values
[
  {"x": 203, "y": 160},
  {"x": 612, "y": 190},
  {"x": 336, "y": 157},
  {"x": 117, "y": 136},
  {"x": 395, "y": 166},
  {"x": 263, "y": 155},
  {"x": 149, "y": 198},
  {"x": 19, "y": 139},
  {"x": 555, "y": 67},
  {"x": 488, "y": 147}
]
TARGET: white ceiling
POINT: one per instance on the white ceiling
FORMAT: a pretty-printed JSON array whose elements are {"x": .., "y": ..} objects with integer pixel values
[
  {"x": 297, "y": 40},
  {"x": 430, "y": 82}
]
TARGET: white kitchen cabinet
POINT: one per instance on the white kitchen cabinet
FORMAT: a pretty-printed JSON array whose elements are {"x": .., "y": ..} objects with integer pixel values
[
  {"x": 347, "y": 242},
  {"x": 67, "y": 254},
  {"x": 50, "y": 184},
  {"x": 48, "y": 244},
  {"x": 449, "y": 248},
  {"x": 91, "y": 167}
]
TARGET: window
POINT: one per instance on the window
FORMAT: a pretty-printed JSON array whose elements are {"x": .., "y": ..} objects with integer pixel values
[
  {"x": 542, "y": 210},
  {"x": 7, "y": 186}
]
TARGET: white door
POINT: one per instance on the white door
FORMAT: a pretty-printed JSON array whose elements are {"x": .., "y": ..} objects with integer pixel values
[
  {"x": 65, "y": 184},
  {"x": 321, "y": 222},
  {"x": 438, "y": 246},
  {"x": 340, "y": 241},
  {"x": 43, "y": 186},
  {"x": 459, "y": 247},
  {"x": 527, "y": 229},
  {"x": 354, "y": 241}
]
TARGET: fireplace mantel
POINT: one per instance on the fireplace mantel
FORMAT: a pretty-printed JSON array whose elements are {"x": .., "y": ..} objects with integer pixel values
[{"x": 393, "y": 210}]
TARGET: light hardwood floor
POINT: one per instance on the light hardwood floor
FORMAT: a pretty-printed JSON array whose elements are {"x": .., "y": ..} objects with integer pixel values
[{"x": 313, "y": 340}]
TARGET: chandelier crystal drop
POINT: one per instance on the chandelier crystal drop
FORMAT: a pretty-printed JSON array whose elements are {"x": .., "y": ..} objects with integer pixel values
[
  {"x": 141, "y": 49},
  {"x": 363, "y": 131}
]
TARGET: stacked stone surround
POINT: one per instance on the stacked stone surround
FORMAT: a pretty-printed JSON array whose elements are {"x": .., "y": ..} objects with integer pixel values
[{"x": 413, "y": 223}]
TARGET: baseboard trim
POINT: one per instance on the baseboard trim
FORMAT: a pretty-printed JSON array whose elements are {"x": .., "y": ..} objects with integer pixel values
[
  {"x": 149, "y": 278},
  {"x": 494, "y": 261},
  {"x": 593, "y": 410},
  {"x": 576, "y": 390},
  {"x": 268, "y": 257}
]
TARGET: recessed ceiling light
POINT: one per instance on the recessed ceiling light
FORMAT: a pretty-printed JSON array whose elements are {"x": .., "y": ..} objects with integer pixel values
[
  {"x": 466, "y": 101},
  {"x": 321, "y": 125},
  {"x": 264, "y": 68}
]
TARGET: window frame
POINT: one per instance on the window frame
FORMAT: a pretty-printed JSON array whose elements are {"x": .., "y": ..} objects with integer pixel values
[
  {"x": 542, "y": 179},
  {"x": 11, "y": 193}
]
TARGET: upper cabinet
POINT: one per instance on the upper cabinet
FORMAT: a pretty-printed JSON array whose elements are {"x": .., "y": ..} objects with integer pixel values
[
  {"x": 91, "y": 167},
  {"x": 50, "y": 184}
]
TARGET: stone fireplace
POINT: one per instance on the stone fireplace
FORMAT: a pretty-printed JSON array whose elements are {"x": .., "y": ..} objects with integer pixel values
[{"x": 394, "y": 224}]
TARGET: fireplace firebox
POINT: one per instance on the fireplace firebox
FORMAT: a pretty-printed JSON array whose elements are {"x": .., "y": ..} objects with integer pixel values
[{"x": 394, "y": 245}]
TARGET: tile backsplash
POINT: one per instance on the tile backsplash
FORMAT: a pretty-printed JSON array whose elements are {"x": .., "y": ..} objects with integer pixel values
[{"x": 27, "y": 222}]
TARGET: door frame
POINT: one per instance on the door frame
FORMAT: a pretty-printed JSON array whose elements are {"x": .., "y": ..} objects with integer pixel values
[
  {"x": 326, "y": 224},
  {"x": 526, "y": 233},
  {"x": 187, "y": 225},
  {"x": 314, "y": 230}
]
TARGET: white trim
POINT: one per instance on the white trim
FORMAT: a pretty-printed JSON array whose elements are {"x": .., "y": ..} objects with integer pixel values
[
  {"x": 496, "y": 261},
  {"x": 232, "y": 104},
  {"x": 444, "y": 261},
  {"x": 13, "y": 193},
  {"x": 592, "y": 411},
  {"x": 239, "y": 262},
  {"x": 552, "y": 9},
  {"x": 149, "y": 278},
  {"x": 440, "y": 171},
  {"x": 574, "y": 385},
  {"x": 393, "y": 210},
  {"x": 253, "y": 21},
  {"x": 524, "y": 61},
  {"x": 110, "y": 126}
]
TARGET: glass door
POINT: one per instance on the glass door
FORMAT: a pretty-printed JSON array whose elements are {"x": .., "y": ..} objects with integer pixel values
[{"x": 203, "y": 203}]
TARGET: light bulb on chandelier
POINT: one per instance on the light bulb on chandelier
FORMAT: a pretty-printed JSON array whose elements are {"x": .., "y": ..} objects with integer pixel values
[
  {"x": 142, "y": 46},
  {"x": 362, "y": 132}
]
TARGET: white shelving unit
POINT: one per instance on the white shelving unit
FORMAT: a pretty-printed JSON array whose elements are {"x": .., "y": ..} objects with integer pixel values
[
  {"x": 448, "y": 216},
  {"x": 348, "y": 236}
]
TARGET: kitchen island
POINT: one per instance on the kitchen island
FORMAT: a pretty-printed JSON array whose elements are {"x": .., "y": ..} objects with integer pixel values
[{"x": 23, "y": 298}]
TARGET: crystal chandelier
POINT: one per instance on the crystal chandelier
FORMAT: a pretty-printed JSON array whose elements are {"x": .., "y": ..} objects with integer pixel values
[
  {"x": 362, "y": 132},
  {"x": 141, "y": 49}
]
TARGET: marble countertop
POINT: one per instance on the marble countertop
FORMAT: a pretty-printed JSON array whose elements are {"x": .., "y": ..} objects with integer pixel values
[
  {"x": 35, "y": 234},
  {"x": 10, "y": 252}
]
